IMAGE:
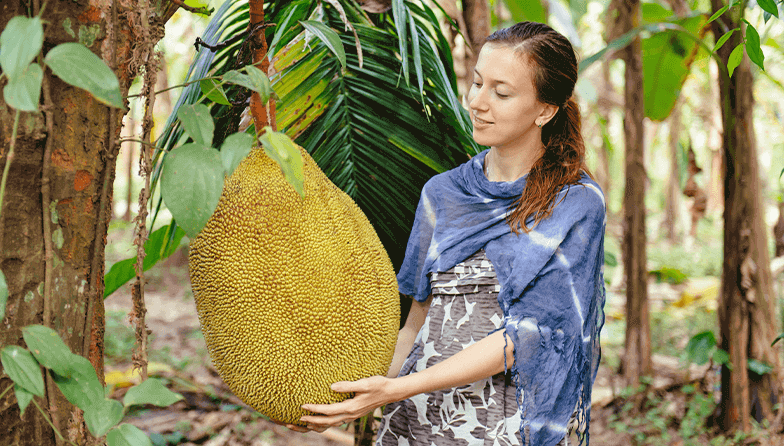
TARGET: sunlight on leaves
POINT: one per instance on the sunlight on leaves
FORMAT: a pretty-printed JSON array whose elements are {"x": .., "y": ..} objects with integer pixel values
[
  {"x": 753, "y": 48},
  {"x": 723, "y": 39},
  {"x": 735, "y": 57},
  {"x": 769, "y": 6}
]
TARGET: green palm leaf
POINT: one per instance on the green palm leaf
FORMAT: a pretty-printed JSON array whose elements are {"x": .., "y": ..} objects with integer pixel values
[{"x": 376, "y": 136}]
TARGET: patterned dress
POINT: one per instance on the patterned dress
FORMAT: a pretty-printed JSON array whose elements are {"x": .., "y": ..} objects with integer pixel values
[{"x": 464, "y": 310}]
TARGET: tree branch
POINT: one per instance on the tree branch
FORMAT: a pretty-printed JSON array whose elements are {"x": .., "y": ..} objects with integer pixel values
[{"x": 203, "y": 10}]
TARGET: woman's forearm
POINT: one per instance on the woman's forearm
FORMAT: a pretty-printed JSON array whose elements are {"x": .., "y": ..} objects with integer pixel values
[
  {"x": 417, "y": 315},
  {"x": 481, "y": 360}
]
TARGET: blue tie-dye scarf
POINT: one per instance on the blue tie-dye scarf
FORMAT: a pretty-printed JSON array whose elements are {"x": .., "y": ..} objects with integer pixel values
[{"x": 552, "y": 287}]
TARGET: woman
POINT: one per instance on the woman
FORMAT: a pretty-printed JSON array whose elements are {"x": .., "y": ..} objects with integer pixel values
[{"x": 504, "y": 262}]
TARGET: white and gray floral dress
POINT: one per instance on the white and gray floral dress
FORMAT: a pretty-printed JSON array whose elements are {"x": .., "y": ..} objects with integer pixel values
[{"x": 464, "y": 310}]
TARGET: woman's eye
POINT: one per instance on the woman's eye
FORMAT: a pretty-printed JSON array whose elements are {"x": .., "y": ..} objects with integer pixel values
[{"x": 502, "y": 96}]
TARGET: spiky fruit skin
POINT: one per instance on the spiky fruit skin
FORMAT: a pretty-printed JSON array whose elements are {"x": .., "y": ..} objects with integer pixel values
[{"x": 292, "y": 294}]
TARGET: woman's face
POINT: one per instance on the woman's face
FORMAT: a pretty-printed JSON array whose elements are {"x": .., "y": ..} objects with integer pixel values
[{"x": 502, "y": 100}]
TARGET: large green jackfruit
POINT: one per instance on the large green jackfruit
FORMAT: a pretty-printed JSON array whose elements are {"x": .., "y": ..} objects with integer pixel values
[{"x": 292, "y": 294}]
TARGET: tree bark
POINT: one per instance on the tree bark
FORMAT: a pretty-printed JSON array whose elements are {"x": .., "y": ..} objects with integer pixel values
[
  {"x": 75, "y": 200},
  {"x": 637, "y": 359},
  {"x": 476, "y": 15},
  {"x": 672, "y": 204},
  {"x": 747, "y": 311}
]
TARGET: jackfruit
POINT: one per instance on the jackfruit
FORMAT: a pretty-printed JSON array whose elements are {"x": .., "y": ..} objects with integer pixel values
[{"x": 293, "y": 294}]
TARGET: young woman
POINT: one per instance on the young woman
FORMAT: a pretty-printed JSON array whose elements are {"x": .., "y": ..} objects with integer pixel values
[{"x": 504, "y": 263}]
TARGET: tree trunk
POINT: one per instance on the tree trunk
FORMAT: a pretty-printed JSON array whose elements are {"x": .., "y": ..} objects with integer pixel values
[
  {"x": 637, "y": 358},
  {"x": 476, "y": 15},
  {"x": 672, "y": 204},
  {"x": 58, "y": 205},
  {"x": 747, "y": 311}
]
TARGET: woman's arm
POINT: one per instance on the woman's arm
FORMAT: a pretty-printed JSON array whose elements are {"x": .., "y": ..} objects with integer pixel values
[
  {"x": 481, "y": 360},
  {"x": 407, "y": 335}
]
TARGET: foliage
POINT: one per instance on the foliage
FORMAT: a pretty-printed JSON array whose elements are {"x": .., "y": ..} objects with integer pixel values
[
  {"x": 375, "y": 133},
  {"x": 75, "y": 377}
]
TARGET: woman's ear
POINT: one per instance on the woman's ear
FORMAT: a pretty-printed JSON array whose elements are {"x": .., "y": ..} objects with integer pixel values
[{"x": 548, "y": 112}]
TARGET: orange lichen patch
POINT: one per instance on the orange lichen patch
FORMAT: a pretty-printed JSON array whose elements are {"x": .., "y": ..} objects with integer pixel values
[
  {"x": 90, "y": 15},
  {"x": 69, "y": 105},
  {"x": 82, "y": 180},
  {"x": 61, "y": 159}
]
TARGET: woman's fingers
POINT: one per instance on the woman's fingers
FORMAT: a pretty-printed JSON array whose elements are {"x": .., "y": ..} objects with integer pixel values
[{"x": 296, "y": 428}]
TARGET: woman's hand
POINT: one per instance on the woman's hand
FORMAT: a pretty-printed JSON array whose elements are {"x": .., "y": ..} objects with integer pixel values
[{"x": 369, "y": 393}]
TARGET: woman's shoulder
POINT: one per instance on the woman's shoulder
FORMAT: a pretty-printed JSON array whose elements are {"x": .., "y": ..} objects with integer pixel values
[
  {"x": 457, "y": 175},
  {"x": 585, "y": 196}
]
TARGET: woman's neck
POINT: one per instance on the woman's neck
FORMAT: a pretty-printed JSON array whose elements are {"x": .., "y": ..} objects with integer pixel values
[{"x": 508, "y": 165}]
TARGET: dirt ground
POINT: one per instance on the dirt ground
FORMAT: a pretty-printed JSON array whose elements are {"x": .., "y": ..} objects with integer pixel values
[{"x": 210, "y": 415}]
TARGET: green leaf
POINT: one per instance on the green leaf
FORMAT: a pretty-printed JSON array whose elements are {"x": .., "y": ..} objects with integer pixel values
[
  {"x": 610, "y": 259},
  {"x": 127, "y": 435},
  {"x": 20, "y": 42},
  {"x": 753, "y": 48},
  {"x": 75, "y": 64},
  {"x": 47, "y": 347},
  {"x": 531, "y": 10},
  {"x": 329, "y": 37},
  {"x": 151, "y": 391},
  {"x": 779, "y": 337},
  {"x": 758, "y": 367},
  {"x": 24, "y": 93},
  {"x": 80, "y": 384},
  {"x": 699, "y": 348},
  {"x": 282, "y": 149},
  {"x": 721, "y": 356},
  {"x": 234, "y": 149},
  {"x": 23, "y": 398},
  {"x": 162, "y": 243},
  {"x": 666, "y": 60},
  {"x": 3, "y": 295},
  {"x": 718, "y": 13},
  {"x": 197, "y": 122},
  {"x": 735, "y": 57},
  {"x": 260, "y": 82},
  {"x": 214, "y": 92},
  {"x": 769, "y": 6},
  {"x": 23, "y": 369},
  {"x": 191, "y": 185},
  {"x": 723, "y": 39},
  {"x": 102, "y": 416}
]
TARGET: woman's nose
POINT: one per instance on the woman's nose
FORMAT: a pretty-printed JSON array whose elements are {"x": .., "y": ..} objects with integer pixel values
[{"x": 476, "y": 98}]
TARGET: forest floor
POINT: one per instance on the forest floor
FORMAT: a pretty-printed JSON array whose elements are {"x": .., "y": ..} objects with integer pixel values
[{"x": 672, "y": 410}]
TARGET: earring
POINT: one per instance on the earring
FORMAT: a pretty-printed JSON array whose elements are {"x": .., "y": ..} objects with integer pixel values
[{"x": 539, "y": 124}]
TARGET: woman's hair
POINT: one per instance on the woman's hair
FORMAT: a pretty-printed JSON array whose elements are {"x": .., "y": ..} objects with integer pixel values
[{"x": 555, "y": 72}]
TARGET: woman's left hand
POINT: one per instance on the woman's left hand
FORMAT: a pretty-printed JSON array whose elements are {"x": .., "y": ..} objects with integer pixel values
[{"x": 369, "y": 393}]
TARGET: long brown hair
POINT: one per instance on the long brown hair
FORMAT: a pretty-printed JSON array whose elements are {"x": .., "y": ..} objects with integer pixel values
[{"x": 555, "y": 72}]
